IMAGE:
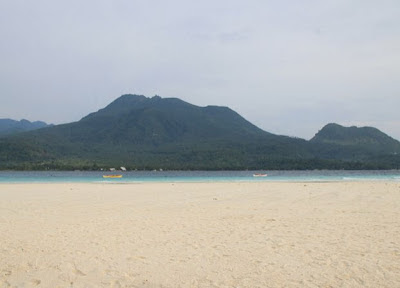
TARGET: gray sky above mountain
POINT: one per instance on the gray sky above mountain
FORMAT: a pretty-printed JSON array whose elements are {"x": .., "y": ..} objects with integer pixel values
[{"x": 289, "y": 66}]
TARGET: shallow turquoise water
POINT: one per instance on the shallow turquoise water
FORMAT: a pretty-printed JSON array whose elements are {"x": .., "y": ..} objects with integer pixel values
[{"x": 196, "y": 176}]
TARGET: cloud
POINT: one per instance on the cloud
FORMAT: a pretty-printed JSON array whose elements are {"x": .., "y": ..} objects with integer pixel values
[{"x": 288, "y": 66}]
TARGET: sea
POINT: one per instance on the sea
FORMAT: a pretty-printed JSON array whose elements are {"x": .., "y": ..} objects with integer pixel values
[{"x": 197, "y": 176}]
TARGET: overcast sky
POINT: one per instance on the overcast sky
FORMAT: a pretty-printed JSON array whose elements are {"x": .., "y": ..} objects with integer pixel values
[{"x": 288, "y": 66}]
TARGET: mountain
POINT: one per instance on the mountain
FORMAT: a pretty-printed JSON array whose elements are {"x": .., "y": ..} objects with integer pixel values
[
  {"x": 138, "y": 120},
  {"x": 147, "y": 133},
  {"x": 9, "y": 126},
  {"x": 151, "y": 133}
]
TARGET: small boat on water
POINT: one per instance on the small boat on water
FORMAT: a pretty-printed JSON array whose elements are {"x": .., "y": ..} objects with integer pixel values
[
  {"x": 260, "y": 175},
  {"x": 112, "y": 176}
]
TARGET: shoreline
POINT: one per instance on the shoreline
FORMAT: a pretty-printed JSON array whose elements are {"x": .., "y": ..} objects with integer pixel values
[{"x": 205, "y": 181}]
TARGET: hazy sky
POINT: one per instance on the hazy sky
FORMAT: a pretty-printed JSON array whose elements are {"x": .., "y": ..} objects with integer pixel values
[{"x": 288, "y": 66}]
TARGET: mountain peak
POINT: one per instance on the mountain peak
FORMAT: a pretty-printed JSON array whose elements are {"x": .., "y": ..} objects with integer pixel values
[{"x": 128, "y": 99}]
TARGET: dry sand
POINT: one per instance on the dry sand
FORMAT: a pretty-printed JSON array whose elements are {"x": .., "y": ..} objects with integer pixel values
[{"x": 200, "y": 235}]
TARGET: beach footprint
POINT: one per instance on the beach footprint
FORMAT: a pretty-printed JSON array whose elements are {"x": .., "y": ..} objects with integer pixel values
[
  {"x": 36, "y": 282},
  {"x": 6, "y": 272}
]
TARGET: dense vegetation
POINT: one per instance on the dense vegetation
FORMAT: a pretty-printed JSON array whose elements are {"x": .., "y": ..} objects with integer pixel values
[{"x": 153, "y": 133}]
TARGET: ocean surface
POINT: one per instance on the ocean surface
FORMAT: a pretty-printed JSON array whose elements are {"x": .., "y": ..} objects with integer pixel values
[{"x": 196, "y": 176}]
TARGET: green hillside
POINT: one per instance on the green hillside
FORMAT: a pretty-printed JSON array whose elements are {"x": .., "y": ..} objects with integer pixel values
[{"x": 352, "y": 143}]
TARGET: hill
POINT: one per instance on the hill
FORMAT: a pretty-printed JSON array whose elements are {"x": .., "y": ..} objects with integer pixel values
[
  {"x": 9, "y": 126},
  {"x": 353, "y": 143},
  {"x": 337, "y": 134},
  {"x": 151, "y": 133}
]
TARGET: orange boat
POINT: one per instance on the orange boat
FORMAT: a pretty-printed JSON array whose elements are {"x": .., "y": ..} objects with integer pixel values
[{"x": 112, "y": 176}]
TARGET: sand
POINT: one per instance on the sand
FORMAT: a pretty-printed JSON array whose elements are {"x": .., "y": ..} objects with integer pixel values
[{"x": 338, "y": 234}]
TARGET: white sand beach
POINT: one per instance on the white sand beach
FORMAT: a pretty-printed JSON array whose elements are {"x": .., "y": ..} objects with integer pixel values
[{"x": 340, "y": 234}]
